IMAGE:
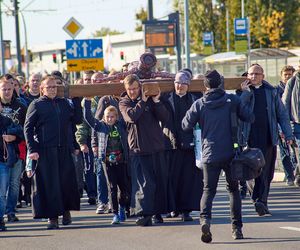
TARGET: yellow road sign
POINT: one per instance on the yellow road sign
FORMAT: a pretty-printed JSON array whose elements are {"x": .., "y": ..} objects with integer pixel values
[
  {"x": 85, "y": 64},
  {"x": 73, "y": 27}
]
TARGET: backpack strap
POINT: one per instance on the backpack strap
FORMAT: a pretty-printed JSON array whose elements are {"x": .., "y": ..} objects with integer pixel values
[{"x": 234, "y": 124}]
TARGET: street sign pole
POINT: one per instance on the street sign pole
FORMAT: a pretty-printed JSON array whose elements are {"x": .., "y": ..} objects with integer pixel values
[{"x": 175, "y": 17}]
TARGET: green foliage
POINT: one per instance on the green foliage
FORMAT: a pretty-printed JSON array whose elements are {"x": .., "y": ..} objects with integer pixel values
[
  {"x": 140, "y": 16},
  {"x": 105, "y": 31}
]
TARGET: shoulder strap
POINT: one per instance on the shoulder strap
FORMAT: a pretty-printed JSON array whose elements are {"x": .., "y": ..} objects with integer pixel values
[{"x": 234, "y": 123}]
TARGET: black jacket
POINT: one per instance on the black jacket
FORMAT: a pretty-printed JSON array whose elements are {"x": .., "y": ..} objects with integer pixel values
[
  {"x": 50, "y": 121},
  {"x": 5, "y": 123},
  {"x": 169, "y": 128},
  {"x": 213, "y": 112},
  {"x": 145, "y": 135}
]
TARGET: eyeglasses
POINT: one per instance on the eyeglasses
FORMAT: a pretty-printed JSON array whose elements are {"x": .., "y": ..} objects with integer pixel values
[
  {"x": 255, "y": 74},
  {"x": 50, "y": 87}
]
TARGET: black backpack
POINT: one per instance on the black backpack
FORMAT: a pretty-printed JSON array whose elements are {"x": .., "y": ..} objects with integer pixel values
[{"x": 247, "y": 163}]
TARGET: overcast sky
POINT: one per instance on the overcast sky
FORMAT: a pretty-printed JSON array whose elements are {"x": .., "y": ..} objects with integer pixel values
[{"x": 46, "y": 26}]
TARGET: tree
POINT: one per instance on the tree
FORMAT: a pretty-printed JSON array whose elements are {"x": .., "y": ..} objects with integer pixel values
[
  {"x": 272, "y": 27},
  {"x": 105, "y": 31},
  {"x": 140, "y": 16}
]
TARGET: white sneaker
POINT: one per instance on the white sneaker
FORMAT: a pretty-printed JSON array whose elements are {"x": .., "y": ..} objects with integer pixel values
[{"x": 102, "y": 208}]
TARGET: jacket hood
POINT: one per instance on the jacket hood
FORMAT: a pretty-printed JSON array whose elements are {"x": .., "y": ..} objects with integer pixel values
[{"x": 214, "y": 98}]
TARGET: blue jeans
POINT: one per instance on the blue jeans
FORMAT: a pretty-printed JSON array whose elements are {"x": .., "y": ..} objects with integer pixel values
[
  {"x": 4, "y": 178},
  {"x": 13, "y": 187},
  {"x": 101, "y": 182}
]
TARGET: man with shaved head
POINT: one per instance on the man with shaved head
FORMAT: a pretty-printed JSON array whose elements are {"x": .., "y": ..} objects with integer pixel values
[{"x": 263, "y": 133}]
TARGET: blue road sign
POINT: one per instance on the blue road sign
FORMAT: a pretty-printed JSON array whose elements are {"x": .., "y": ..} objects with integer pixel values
[
  {"x": 240, "y": 26},
  {"x": 208, "y": 38},
  {"x": 84, "y": 49}
]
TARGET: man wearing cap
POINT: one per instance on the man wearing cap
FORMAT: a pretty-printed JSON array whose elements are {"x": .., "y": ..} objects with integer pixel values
[
  {"x": 184, "y": 177},
  {"x": 213, "y": 114}
]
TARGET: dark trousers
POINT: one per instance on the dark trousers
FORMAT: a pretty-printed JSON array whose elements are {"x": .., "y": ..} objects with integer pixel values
[
  {"x": 116, "y": 175},
  {"x": 260, "y": 187},
  {"x": 89, "y": 174},
  {"x": 287, "y": 164},
  {"x": 211, "y": 173}
]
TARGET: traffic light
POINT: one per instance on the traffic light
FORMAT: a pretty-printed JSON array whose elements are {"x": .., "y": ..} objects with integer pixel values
[
  {"x": 121, "y": 55},
  {"x": 54, "y": 58},
  {"x": 63, "y": 55}
]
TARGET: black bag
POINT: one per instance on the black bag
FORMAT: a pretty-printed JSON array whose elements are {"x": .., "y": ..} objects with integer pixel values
[{"x": 248, "y": 162}]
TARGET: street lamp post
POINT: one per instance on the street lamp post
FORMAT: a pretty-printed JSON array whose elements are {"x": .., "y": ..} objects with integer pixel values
[
  {"x": 26, "y": 46},
  {"x": 187, "y": 39},
  {"x": 16, "y": 14},
  {"x": 2, "y": 44}
]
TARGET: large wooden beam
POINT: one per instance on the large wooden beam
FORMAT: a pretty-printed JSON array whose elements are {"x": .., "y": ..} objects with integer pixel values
[{"x": 102, "y": 89}]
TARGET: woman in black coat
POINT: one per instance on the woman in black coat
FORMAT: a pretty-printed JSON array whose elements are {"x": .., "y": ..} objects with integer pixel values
[{"x": 46, "y": 128}]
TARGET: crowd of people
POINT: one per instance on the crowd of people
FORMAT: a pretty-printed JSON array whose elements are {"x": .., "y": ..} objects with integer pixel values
[{"x": 134, "y": 154}]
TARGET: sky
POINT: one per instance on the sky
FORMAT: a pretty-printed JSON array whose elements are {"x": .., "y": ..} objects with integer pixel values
[{"x": 47, "y": 26}]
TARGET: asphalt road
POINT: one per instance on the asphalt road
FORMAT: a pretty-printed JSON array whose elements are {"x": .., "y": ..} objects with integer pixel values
[{"x": 91, "y": 231}]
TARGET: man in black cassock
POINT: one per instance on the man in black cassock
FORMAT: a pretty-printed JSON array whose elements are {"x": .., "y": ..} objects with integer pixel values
[
  {"x": 142, "y": 115},
  {"x": 47, "y": 125}
]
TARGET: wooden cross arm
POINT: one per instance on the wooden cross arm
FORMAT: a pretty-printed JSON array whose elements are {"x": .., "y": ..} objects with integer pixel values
[{"x": 90, "y": 90}]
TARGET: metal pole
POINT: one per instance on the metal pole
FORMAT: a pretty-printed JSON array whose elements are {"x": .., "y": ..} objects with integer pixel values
[
  {"x": 150, "y": 17},
  {"x": 243, "y": 9},
  {"x": 26, "y": 46},
  {"x": 2, "y": 44},
  {"x": 175, "y": 18},
  {"x": 227, "y": 30},
  {"x": 150, "y": 10},
  {"x": 186, "y": 36},
  {"x": 18, "y": 36},
  {"x": 249, "y": 43}
]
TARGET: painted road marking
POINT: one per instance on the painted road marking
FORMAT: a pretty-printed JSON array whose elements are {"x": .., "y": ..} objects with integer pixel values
[{"x": 291, "y": 228}]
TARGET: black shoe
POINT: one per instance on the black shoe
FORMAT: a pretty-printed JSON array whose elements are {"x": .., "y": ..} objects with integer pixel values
[
  {"x": 19, "y": 205},
  {"x": 53, "y": 224},
  {"x": 12, "y": 218},
  {"x": 144, "y": 221},
  {"x": 2, "y": 225},
  {"x": 92, "y": 201},
  {"x": 260, "y": 208},
  {"x": 237, "y": 234},
  {"x": 157, "y": 219},
  {"x": 67, "y": 219},
  {"x": 206, "y": 234},
  {"x": 186, "y": 216}
]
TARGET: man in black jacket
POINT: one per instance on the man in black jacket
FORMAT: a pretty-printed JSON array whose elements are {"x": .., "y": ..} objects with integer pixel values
[
  {"x": 184, "y": 177},
  {"x": 146, "y": 147},
  {"x": 16, "y": 111},
  {"x": 213, "y": 114}
]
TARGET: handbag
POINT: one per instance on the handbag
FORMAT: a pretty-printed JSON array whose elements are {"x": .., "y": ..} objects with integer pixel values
[{"x": 247, "y": 163}]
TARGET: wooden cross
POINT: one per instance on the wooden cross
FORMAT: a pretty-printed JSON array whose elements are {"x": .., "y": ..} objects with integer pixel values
[{"x": 101, "y": 89}]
